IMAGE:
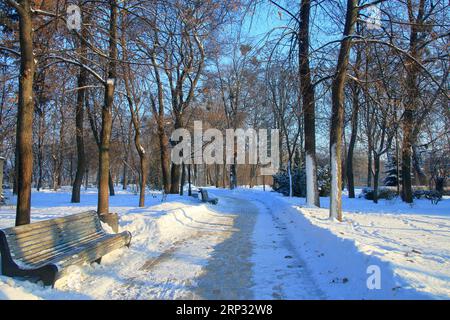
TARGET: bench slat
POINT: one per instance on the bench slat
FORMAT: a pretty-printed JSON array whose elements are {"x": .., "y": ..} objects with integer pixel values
[
  {"x": 50, "y": 238},
  {"x": 68, "y": 251},
  {"x": 46, "y": 223},
  {"x": 77, "y": 256},
  {"x": 49, "y": 253},
  {"x": 56, "y": 226},
  {"x": 95, "y": 251}
]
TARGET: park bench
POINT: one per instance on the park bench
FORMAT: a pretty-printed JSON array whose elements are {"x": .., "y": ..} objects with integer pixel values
[
  {"x": 44, "y": 250},
  {"x": 206, "y": 198}
]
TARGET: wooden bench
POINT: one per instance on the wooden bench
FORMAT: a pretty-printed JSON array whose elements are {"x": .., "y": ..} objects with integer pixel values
[
  {"x": 206, "y": 198},
  {"x": 44, "y": 250}
]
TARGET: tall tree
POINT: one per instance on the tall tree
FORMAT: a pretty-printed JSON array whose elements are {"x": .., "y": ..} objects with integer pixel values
[
  {"x": 354, "y": 126},
  {"x": 416, "y": 21},
  {"x": 308, "y": 100},
  {"x": 79, "y": 115},
  {"x": 133, "y": 102},
  {"x": 25, "y": 111},
  {"x": 337, "y": 117},
  {"x": 105, "y": 134}
]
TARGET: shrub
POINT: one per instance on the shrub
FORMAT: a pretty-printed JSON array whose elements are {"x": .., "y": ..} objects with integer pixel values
[
  {"x": 383, "y": 193},
  {"x": 432, "y": 195},
  {"x": 281, "y": 182},
  {"x": 324, "y": 181}
]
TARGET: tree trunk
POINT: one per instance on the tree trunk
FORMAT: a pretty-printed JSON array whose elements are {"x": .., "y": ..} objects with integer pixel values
[
  {"x": 79, "y": 124},
  {"x": 165, "y": 158},
  {"x": 79, "y": 121},
  {"x": 16, "y": 162},
  {"x": 1, "y": 179},
  {"x": 124, "y": 177},
  {"x": 105, "y": 135},
  {"x": 40, "y": 151},
  {"x": 369, "y": 169},
  {"x": 233, "y": 178},
  {"x": 423, "y": 181},
  {"x": 183, "y": 178},
  {"x": 412, "y": 69},
  {"x": 112, "y": 192},
  {"x": 61, "y": 150},
  {"x": 142, "y": 180},
  {"x": 189, "y": 180},
  {"x": 308, "y": 99},
  {"x": 406, "y": 156},
  {"x": 290, "y": 177},
  {"x": 337, "y": 117},
  {"x": 351, "y": 145},
  {"x": 175, "y": 169},
  {"x": 217, "y": 173},
  {"x": 87, "y": 179},
  {"x": 175, "y": 178},
  {"x": 376, "y": 176},
  {"x": 25, "y": 114}
]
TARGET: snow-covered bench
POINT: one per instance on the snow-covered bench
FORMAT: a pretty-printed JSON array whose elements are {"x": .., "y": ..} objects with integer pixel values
[
  {"x": 44, "y": 250},
  {"x": 206, "y": 198}
]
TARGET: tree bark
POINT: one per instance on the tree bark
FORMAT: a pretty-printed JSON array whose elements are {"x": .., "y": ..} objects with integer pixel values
[
  {"x": 308, "y": 99},
  {"x": 337, "y": 117},
  {"x": 376, "y": 176},
  {"x": 423, "y": 181},
  {"x": 412, "y": 70},
  {"x": 352, "y": 142},
  {"x": 105, "y": 135},
  {"x": 79, "y": 121},
  {"x": 25, "y": 113},
  {"x": 183, "y": 178},
  {"x": 189, "y": 181},
  {"x": 134, "y": 118},
  {"x": 162, "y": 137}
]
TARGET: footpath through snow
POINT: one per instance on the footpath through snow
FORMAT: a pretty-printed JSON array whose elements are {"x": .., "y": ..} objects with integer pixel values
[
  {"x": 253, "y": 245},
  {"x": 409, "y": 244}
]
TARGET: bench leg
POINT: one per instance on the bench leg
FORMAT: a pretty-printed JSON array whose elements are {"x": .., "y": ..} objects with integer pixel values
[{"x": 48, "y": 275}]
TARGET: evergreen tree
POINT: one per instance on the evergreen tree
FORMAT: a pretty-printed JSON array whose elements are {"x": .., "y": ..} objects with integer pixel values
[{"x": 392, "y": 174}]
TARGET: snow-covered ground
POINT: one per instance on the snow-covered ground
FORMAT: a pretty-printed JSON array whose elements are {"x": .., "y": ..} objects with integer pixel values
[
  {"x": 254, "y": 244},
  {"x": 409, "y": 244}
]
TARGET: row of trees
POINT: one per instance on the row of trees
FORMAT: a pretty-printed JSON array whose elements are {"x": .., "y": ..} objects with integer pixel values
[
  {"x": 391, "y": 72},
  {"x": 97, "y": 102}
]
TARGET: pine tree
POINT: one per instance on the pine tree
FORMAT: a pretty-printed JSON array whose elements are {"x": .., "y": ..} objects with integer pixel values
[{"x": 392, "y": 174}]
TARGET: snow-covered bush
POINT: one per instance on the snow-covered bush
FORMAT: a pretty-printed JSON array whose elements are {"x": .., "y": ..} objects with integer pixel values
[
  {"x": 324, "y": 181},
  {"x": 383, "y": 193},
  {"x": 393, "y": 177},
  {"x": 432, "y": 195},
  {"x": 281, "y": 182}
]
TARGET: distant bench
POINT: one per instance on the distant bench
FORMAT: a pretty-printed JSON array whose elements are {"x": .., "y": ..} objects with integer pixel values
[
  {"x": 206, "y": 198},
  {"x": 45, "y": 249}
]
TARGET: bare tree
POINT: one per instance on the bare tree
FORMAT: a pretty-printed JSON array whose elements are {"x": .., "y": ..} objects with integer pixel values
[
  {"x": 337, "y": 117},
  {"x": 308, "y": 101},
  {"x": 25, "y": 111}
]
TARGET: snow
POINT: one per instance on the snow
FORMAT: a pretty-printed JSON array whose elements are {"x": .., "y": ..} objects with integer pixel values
[
  {"x": 254, "y": 244},
  {"x": 409, "y": 244}
]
